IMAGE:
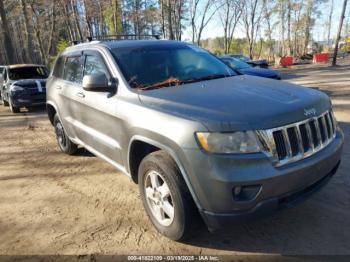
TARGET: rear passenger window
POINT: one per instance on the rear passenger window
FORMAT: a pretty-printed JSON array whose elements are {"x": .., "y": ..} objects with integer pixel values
[
  {"x": 59, "y": 66},
  {"x": 95, "y": 65},
  {"x": 73, "y": 70}
]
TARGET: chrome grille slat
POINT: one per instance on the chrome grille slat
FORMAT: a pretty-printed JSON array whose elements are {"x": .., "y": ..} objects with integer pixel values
[
  {"x": 296, "y": 141},
  {"x": 329, "y": 126}
]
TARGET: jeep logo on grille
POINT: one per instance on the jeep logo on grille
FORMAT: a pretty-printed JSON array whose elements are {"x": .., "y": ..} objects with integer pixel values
[{"x": 310, "y": 112}]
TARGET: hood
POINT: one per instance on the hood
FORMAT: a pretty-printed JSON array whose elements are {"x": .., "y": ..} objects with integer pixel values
[
  {"x": 237, "y": 103},
  {"x": 30, "y": 82},
  {"x": 254, "y": 71}
]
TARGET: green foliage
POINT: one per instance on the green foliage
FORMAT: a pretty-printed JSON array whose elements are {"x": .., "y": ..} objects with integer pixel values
[
  {"x": 218, "y": 51},
  {"x": 61, "y": 45}
]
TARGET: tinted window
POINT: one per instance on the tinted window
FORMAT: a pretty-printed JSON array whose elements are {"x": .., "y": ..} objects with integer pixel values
[
  {"x": 95, "y": 65},
  {"x": 73, "y": 70},
  {"x": 162, "y": 63},
  {"x": 34, "y": 72},
  {"x": 59, "y": 66}
]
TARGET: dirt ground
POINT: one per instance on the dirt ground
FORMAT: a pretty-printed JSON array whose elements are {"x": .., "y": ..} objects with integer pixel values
[{"x": 51, "y": 203}]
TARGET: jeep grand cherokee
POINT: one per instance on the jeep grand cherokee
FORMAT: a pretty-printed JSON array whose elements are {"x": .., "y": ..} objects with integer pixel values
[{"x": 201, "y": 141}]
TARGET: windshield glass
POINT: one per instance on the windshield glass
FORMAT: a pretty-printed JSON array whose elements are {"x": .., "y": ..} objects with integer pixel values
[
  {"x": 163, "y": 65},
  {"x": 35, "y": 72},
  {"x": 235, "y": 63}
]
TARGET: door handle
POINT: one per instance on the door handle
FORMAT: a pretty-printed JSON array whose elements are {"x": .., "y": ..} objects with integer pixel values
[
  {"x": 58, "y": 87},
  {"x": 80, "y": 94}
]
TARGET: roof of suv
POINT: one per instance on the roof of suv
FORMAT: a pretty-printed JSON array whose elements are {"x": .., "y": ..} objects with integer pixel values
[{"x": 126, "y": 43}]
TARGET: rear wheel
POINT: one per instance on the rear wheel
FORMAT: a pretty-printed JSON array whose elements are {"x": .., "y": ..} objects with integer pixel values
[
  {"x": 65, "y": 144},
  {"x": 166, "y": 198},
  {"x": 13, "y": 108}
]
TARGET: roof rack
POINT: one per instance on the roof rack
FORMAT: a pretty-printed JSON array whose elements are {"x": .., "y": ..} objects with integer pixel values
[
  {"x": 124, "y": 37},
  {"x": 115, "y": 37}
]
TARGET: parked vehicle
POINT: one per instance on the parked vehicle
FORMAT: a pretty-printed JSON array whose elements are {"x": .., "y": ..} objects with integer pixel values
[
  {"x": 24, "y": 86},
  {"x": 2, "y": 68},
  {"x": 197, "y": 137},
  {"x": 246, "y": 69},
  {"x": 254, "y": 63}
]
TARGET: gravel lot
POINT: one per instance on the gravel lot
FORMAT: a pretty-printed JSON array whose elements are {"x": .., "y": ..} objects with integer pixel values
[{"x": 51, "y": 203}]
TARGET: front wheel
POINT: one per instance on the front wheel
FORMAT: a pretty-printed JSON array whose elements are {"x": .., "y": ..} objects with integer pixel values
[
  {"x": 166, "y": 198},
  {"x": 65, "y": 144},
  {"x": 13, "y": 108},
  {"x": 4, "y": 103}
]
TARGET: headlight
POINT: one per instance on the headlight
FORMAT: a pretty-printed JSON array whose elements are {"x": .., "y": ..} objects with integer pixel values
[
  {"x": 16, "y": 88},
  {"x": 229, "y": 143}
]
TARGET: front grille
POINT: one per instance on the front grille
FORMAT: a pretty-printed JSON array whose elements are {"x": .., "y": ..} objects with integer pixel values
[{"x": 299, "y": 140}]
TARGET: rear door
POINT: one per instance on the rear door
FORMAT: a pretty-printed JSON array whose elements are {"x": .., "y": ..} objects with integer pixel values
[
  {"x": 97, "y": 119},
  {"x": 69, "y": 89}
]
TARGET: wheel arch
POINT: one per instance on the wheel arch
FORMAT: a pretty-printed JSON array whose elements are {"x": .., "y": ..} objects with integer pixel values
[
  {"x": 51, "y": 111},
  {"x": 155, "y": 145}
]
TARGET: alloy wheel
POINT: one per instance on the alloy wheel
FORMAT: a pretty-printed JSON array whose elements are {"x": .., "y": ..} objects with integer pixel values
[{"x": 159, "y": 198}]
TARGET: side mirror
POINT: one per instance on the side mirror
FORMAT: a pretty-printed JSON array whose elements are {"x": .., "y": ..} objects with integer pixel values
[{"x": 97, "y": 83}]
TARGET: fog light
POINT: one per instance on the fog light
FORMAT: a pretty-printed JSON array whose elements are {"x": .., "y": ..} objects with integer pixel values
[
  {"x": 246, "y": 193},
  {"x": 237, "y": 190}
]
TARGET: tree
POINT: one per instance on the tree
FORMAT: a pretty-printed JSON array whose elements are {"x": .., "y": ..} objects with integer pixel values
[
  {"x": 9, "y": 51},
  {"x": 204, "y": 15},
  {"x": 329, "y": 24},
  {"x": 334, "y": 61},
  {"x": 230, "y": 13},
  {"x": 252, "y": 14}
]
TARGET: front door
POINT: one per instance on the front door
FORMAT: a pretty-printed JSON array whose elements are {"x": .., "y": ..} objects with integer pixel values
[{"x": 97, "y": 123}]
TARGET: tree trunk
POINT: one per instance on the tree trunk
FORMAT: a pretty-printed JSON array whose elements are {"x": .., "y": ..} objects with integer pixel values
[
  {"x": 87, "y": 20},
  {"x": 334, "y": 62},
  {"x": 28, "y": 34},
  {"x": 52, "y": 30},
  {"x": 9, "y": 51},
  {"x": 330, "y": 23},
  {"x": 170, "y": 21},
  {"x": 76, "y": 20}
]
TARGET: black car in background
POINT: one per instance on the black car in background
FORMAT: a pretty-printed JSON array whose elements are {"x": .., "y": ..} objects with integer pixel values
[
  {"x": 23, "y": 86},
  {"x": 254, "y": 63},
  {"x": 246, "y": 69}
]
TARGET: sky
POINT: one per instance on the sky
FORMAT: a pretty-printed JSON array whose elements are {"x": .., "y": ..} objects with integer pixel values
[{"x": 214, "y": 28}]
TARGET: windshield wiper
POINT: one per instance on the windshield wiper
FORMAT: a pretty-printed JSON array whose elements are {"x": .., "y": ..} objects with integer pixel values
[
  {"x": 174, "y": 81},
  {"x": 168, "y": 82}
]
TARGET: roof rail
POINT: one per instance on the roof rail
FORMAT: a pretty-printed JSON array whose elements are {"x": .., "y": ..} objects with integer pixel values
[
  {"x": 115, "y": 37},
  {"x": 124, "y": 37}
]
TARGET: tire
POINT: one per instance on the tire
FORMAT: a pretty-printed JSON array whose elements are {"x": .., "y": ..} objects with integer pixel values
[
  {"x": 4, "y": 103},
  {"x": 13, "y": 108},
  {"x": 65, "y": 144},
  {"x": 158, "y": 201}
]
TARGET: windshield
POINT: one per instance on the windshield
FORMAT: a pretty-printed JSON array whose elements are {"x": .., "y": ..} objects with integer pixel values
[
  {"x": 235, "y": 63},
  {"x": 163, "y": 65},
  {"x": 35, "y": 72}
]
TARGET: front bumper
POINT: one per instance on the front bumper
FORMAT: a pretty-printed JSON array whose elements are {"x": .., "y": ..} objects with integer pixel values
[
  {"x": 28, "y": 100},
  {"x": 217, "y": 221},
  {"x": 214, "y": 178}
]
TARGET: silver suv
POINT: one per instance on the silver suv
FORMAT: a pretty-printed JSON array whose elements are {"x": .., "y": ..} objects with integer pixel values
[{"x": 202, "y": 141}]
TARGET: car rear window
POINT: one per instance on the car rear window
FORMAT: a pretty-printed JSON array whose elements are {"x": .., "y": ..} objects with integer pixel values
[{"x": 34, "y": 72}]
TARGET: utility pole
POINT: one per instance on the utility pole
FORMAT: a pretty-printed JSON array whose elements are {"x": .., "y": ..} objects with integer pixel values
[{"x": 334, "y": 62}]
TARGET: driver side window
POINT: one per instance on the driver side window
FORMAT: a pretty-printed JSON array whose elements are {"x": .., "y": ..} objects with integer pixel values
[{"x": 94, "y": 65}]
